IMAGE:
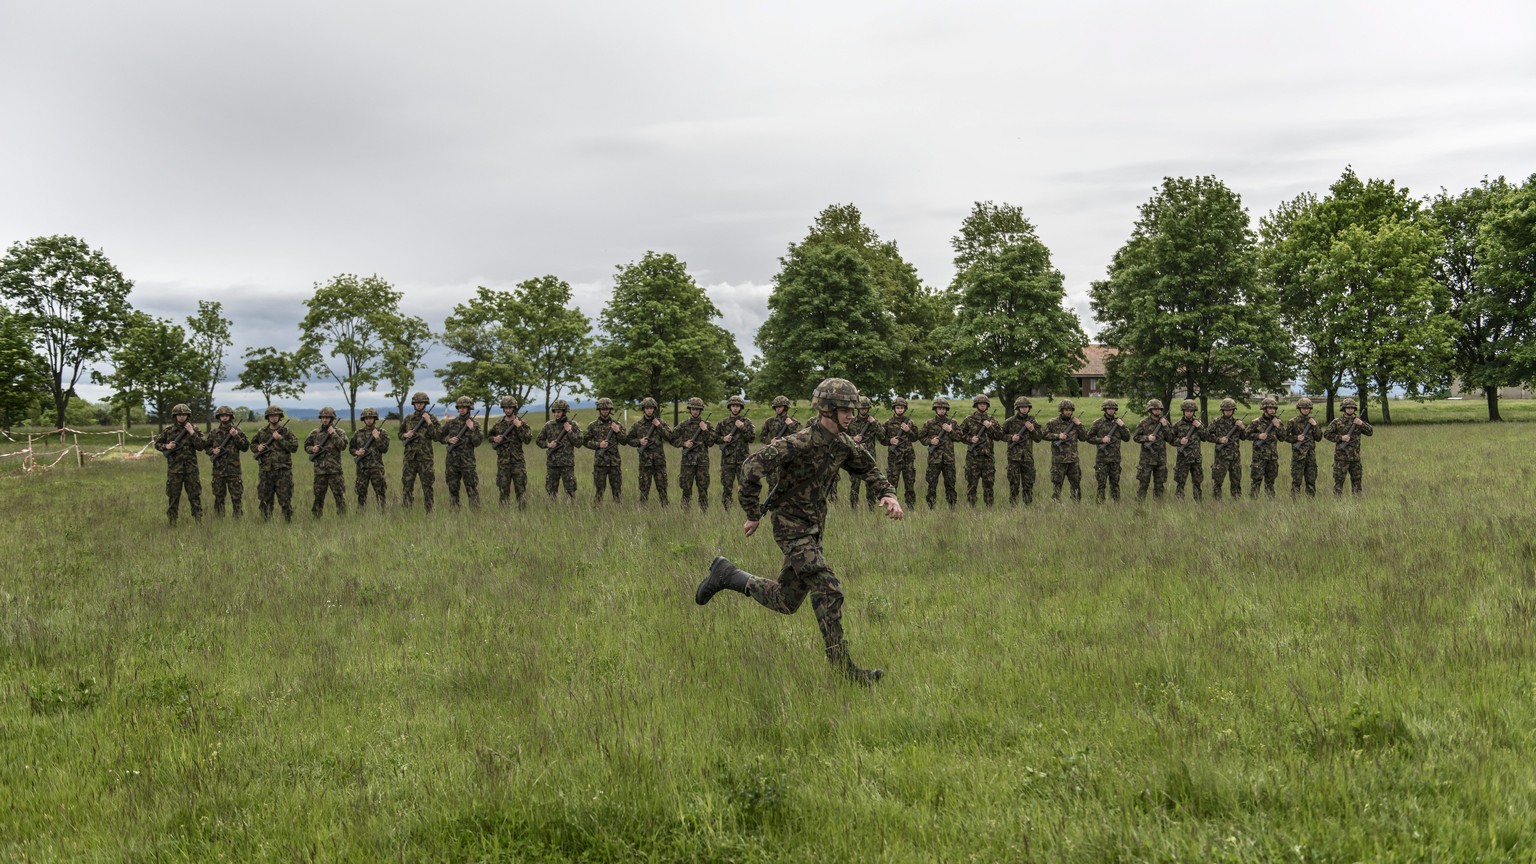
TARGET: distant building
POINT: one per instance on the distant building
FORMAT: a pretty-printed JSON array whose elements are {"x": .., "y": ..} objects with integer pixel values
[
  {"x": 1088, "y": 380},
  {"x": 1458, "y": 392}
]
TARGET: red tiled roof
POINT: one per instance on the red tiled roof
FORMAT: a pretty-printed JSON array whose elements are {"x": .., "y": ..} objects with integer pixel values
[{"x": 1093, "y": 365}]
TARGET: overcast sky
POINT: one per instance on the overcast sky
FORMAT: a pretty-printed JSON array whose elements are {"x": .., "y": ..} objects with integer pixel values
[{"x": 244, "y": 152}]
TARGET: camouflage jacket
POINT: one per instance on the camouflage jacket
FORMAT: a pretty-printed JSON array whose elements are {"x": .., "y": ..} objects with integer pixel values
[
  {"x": 1230, "y": 428},
  {"x": 1303, "y": 436},
  {"x": 692, "y": 430},
  {"x": 426, "y": 427},
  {"x": 469, "y": 434},
  {"x": 655, "y": 433},
  {"x": 1022, "y": 450},
  {"x": 510, "y": 450},
  {"x": 1194, "y": 431},
  {"x": 975, "y": 426},
  {"x": 777, "y": 427},
  {"x": 331, "y": 442},
  {"x": 902, "y": 449},
  {"x": 601, "y": 430},
  {"x": 281, "y": 445},
  {"x": 1153, "y": 452},
  {"x": 1347, "y": 451},
  {"x": 1117, "y": 432},
  {"x": 1064, "y": 452},
  {"x": 230, "y": 443},
  {"x": 183, "y": 458},
  {"x": 742, "y": 432},
  {"x": 802, "y": 466},
  {"x": 375, "y": 448},
  {"x": 942, "y": 453},
  {"x": 1266, "y": 449},
  {"x": 865, "y": 431},
  {"x": 564, "y": 453}
]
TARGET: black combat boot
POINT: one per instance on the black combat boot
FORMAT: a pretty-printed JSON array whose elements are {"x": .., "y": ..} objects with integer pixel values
[
  {"x": 722, "y": 575},
  {"x": 867, "y": 677}
]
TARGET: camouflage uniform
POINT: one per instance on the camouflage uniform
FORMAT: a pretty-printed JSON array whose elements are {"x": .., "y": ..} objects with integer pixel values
[
  {"x": 1303, "y": 431},
  {"x": 227, "y": 475},
  {"x": 329, "y": 443},
  {"x": 694, "y": 436},
  {"x": 1227, "y": 460},
  {"x": 941, "y": 456},
  {"x": 181, "y": 464},
  {"x": 901, "y": 461},
  {"x": 654, "y": 433},
  {"x": 1021, "y": 453},
  {"x": 274, "y": 479},
  {"x": 511, "y": 469},
  {"x": 1106, "y": 462},
  {"x": 1346, "y": 454},
  {"x": 780, "y": 424},
  {"x": 1064, "y": 432},
  {"x": 979, "y": 466},
  {"x": 370, "y": 465},
  {"x": 459, "y": 459},
  {"x": 735, "y": 451},
  {"x": 1187, "y": 465},
  {"x": 1152, "y": 466},
  {"x": 865, "y": 432},
  {"x": 417, "y": 461},
  {"x": 607, "y": 466},
  {"x": 1266, "y": 451},
  {"x": 562, "y": 456}
]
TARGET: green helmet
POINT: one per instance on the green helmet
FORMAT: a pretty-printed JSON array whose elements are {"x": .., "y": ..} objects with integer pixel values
[
  {"x": 181, "y": 408},
  {"x": 1349, "y": 402},
  {"x": 605, "y": 404},
  {"x": 1269, "y": 402},
  {"x": 981, "y": 399},
  {"x": 1229, "y": 404},
  {"x": 273, "y": 410},
  {"x": 559, "y": 405},
  {"x": 1154, "y": 405},
  {"x": 419, "y": 398},
  {"x": 781, "y": 401},
  {"x": 940, "y": 402},
  {"x": 224, "y": 411},
  {"x": 834, "y": 393},
  {"x": 1111, "y": 405},
  {"x": 1066, "y": 404},
  {"x": 370, "y": 412},
  {"x": 1022, "y": 402},
  {"x": 327, "y": 411},
  {"x": 864, "y": 403},
  {"x": 695, "y": 402},
  {"x": 899, "y": 400},
  {"x": 736, "y": 400},
  {"x": 1303, "y": 402},
  {"x": 463, "y": 402},
  {"x": 509, "y": 403},
  {"x": 1189, "y": 405},
  {"x": 647, "y": 402}
]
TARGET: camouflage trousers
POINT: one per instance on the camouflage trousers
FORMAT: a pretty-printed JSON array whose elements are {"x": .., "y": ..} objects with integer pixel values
[
  {"x": 370, "y": 477},
  {"x": 175, "y": 483},
  {"x": 694, "y": 475},
  {"x": 1303, "y": 473},
  {"x": 1148, "y": 473},
  {"x": 334, "y": 484},
  {"x": 1221, "y": 469},
  {"x": 1193, "y": 472},
  {"x": 805, "y": 572},
  {"x": 557, "y": 475},
  {"x": 935, "y": 472},
  {"x": 512, "y": 477},
  {"x": 417, "y": 466},
  {"x": 276, "y": 484},
  {"x": 730, "y": 475},
  {"x": 902, "y": 469},
  {"x": 1263, "y": 473},
  {"x": 832, "y": 487},
  {"x": 983, "y": 473},
  {"x": 611, "y": 477},
  {"x": 233, "y": 485},
  {"x": 653, "y": 472},
  {"x": 1351, "y": 469},
  {"x": 854, "y": 485},
  {"x": 1071, "y": 472},
  {"x": 1021, "y": 480},
  {"x": 469, "y": 476},
  {"x": 1106, "y": 472}
]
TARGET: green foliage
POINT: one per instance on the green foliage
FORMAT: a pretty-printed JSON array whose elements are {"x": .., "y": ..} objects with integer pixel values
[
  {"x": 1507, "y": 246},
  {"x": 552, "y": 333},
  {"x": 209, "y": 338},
  {"x": 154, "y": 365},
  {"x": 274, "y": 374},
  {"x": 483, "y": 332},
  {"x": 23, "y": 376},
  {"x": 350, "y": 326},
  {"x": 410, "y": 337}
]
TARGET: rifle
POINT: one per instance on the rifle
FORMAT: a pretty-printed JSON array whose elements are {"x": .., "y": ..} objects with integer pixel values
[
  {"x": 179, "y": 438},
  {"x": 315, "y": 456},
  {"x": 984, "y": 439},
  {"x": 699, "y": 429},
  {"x": 368, "y": 447},
  {"x": 271, "y": 436},
  {"x": 508, "y": 431},
  {"x": 463, "y": 429}
]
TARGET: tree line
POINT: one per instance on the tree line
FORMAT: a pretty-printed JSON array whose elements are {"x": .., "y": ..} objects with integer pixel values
[{"x": 1362, "y": 289}]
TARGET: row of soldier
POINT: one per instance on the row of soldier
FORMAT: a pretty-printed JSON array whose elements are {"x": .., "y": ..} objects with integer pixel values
[{"x": 274, "y": 445}]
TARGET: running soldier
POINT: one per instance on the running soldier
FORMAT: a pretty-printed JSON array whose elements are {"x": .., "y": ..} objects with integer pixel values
[
  {"x": 508, "y": 437},
  {"x": 797, "y": 501},
  {"x": 1226, "y": 432},
  {"x": 418, "y": 431},
  {"x": 978, "y": 431},
  {"x": 1345, "y": 432},
  {"x": 462, "y": 436},
  {"x": 559, "y": 439},
  {"x": 735, "y": 435},
  {"x": 940, "y": 435},
  {"x": 780, "y": 424},
  {"x": 368, "y": 446},
  {"x": 865, "y": 432},
  {"x": 693, "y": 437},
  {"x": 901, "y": 461},
  {"x": 1064, "y": 431},
  {"x": 1106, "y": 435},
  {"x": 603, "y": 437},
  {"x": 647, "y": 435},
  {"x": 224, "y": 448},
  {"x": 274, "y": 447},
  {"x": 180, "y": 441},
  {"x": 325, "y": 446},
  {"x": 1021, "y": 432},
  {"x": 1152, "y": 466},
  {"x": 1265, "y": 433},
  {"x": 1303, "y": 433},
  {"x": 1186, "y": 436}
]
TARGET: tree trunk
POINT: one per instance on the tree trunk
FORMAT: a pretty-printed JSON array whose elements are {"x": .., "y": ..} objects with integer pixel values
[
  {"x": 1204, "y": 417},
  {"x": 1492, "y": 394},
  {"x": 1385, "y": 390},
  {"x": 1332, "y": 393}
]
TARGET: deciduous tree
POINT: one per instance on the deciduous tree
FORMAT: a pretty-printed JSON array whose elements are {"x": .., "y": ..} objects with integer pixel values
[
  {"x": 1507, "y": 247},
  {"x": 154, "y": 365},
  {"x": 209, "y": 339},
  {"x": 274, "y": 373},
  {"x": 408, "y": 341},
  {"x": 348, "y": 329},
  {"x": 551, "y": 333},
  {"x": 23, "y": 377}
]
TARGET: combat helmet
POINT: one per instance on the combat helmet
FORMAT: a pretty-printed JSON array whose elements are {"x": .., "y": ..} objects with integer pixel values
[
  {"x": 559, "y": 405},
  {"x": 781, "y": 401},
  {"x": 1229, "y": 404},
  {"x": 647, "y": 402},
  {"x": 1304, "y": 402},
  {"x": 369, "y": 412},
  {"x": 695, "y": 402},
  {"x": 273, "y": 410},
  {"x": 834, "y": 393},
  {"x": 181, "y": 408},
  {"x": 1111, "y": 405},
  {"x": 1269, "y": 402},
  {"x": 419, "y": 398},
  {"x": 463, "y": 402},
  {"x": 605, "y": 404},
  {"x": 327, "y": 411},
  {"x": 940, "y": 402},
  {"x": 509, "y": 403},
  {"x": 224, "y": 411},
  {"x": 899, "y": 400},
  {"x": 735, "y": 400},
  {"x": 1066, "y": 404},
  {"x": 864, "y": 403},
  {"x": 1349, "y": 402},
  {"x": 1189, "y": 405},
  {"x": 1154, "y": 405},
  {"x": 1022, "y": 402},
  {"x": 980, "y": 399}
]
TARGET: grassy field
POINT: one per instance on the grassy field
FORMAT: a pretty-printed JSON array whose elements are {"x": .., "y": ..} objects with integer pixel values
[{"x": 1328, "y": 680}]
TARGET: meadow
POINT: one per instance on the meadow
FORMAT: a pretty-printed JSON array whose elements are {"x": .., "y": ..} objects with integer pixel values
[{"x": 1251, "y": 680}]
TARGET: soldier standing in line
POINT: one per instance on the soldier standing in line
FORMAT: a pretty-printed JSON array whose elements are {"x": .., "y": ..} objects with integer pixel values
[
  {"x": 780, "y": 424},
  {"x": 1303, "y": 433},
  {"x": 1021, "y": 432},
  {"x": 418, "y": 431},
  {"x": 224, "y": 449},
  {"x": 274, "y": 447},
  {"x": 797, "y": 501},
  {"x": 461, "y": 436},
  {"x": 180, "y": 441},
  {"x": 559, "y": 439},
  {"x": 901, "y": 461},
  {"x": 1265, "y": 433},
  {"x": 508, "y": 437},
  {"x": 1187, "y": 435},
  {"x": 1106, "y": 435},
  {"x": 693, "y": 437},
  {"x": 1152, "y": 466},
  {"x": 325, "y": 446},
  {"x": 735, "y": 435},
  {"x": 603, "y": 437},
  {"x": 978, "y": 431},
  {"x": 1226, "y": 432},
  {"x": 940, "y": 434},
  {"x": 1345, "y": 432},
  {"x": 647, "y": 435},
  {"x": 368, "y": 446},
  {"x": 865, "y": 432},
  {"x": 1064, "y": 431}
]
